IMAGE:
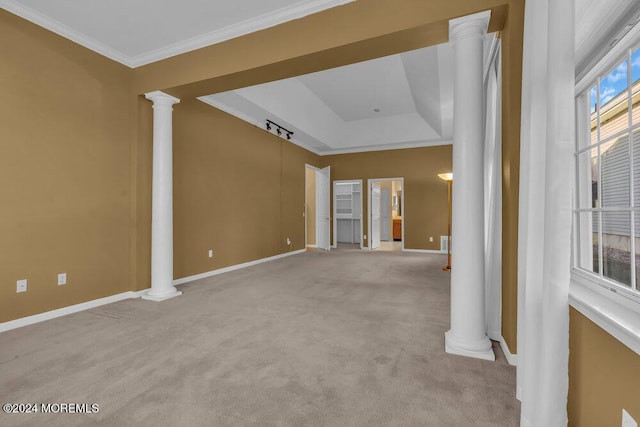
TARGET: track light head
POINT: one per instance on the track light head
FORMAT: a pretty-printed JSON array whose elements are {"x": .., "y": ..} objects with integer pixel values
[
  {"x": 288, "y": 135},
  {"x": 268, "y": 126},
  {"x": 279, "y": 131}
]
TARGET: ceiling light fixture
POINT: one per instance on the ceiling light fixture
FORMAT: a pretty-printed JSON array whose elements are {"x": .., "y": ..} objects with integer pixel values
[{"x": 279, "y": 129}]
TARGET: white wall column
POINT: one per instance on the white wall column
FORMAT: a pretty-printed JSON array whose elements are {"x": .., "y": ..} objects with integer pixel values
[
  {"x": 467, "y": 335},
  {"x": 162, "y": 199}
]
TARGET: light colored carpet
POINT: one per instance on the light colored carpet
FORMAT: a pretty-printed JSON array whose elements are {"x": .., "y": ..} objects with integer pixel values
[{"x": 346, "y": 338}]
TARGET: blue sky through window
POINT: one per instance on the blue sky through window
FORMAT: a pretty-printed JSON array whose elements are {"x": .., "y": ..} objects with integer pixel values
[{"x": 616, "y": 81}]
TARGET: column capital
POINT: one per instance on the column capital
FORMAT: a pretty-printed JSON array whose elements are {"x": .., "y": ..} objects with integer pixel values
[
  {"x": 159, "y": 97},
  {"x": 474, "y": 25}
]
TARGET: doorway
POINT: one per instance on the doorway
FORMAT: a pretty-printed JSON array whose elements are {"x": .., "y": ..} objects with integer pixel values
[
  {"x": 316, "y": 207},
  {"x": 347, "y": 213},
  {"x": 386, "y": 214}
]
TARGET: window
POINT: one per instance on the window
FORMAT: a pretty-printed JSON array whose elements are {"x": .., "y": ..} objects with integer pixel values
[{"x": 607, "y": 200}]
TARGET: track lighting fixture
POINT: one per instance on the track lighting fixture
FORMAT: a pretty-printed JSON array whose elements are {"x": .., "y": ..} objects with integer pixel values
[{"x": 279, "y": 129}]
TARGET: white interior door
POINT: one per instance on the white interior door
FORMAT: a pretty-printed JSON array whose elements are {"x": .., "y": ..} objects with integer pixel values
[
  {"x": 323, "y": 218},
  {"x": 385, "y": 214},
  {"x": 375, "y": 215}
]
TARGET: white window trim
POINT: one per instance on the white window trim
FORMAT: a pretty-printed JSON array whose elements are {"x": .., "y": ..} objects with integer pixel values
[
  {"x": 607, "y": 304},
  {"x": 612, "y": 312}
]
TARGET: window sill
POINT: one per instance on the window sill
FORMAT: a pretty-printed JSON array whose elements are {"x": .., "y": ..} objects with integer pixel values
[{"x": 619, "y": 319}]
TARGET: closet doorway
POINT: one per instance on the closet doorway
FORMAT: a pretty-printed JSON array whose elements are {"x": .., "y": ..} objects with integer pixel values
[
  {"x": 386, "y": 214},
  {"x": 347, "y": 213}
]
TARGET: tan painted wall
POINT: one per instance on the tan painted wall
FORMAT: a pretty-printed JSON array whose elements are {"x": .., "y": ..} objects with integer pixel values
[
  {"x": 237, "y": 190},
  {"x": 512, "y": 39},
  {"x": 68, "y": 120},
  {"x": 311, "y": 205},
  {"x": 425, "y": 194},
  {"x": 604, "y": 376},
  {"x": 76, "y": 168},
  {"x": 320, "y": 41},
  {"x": 330, "y": 39}
]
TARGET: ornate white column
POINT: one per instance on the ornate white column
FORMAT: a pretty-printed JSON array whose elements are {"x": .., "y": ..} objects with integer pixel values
[
  {"x": 162, "y": 199},
  {"x": 467, "y": 336}
]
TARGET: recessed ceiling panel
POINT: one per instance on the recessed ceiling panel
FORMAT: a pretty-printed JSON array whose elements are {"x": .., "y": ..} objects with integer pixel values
[{"x": 355, "y": 92}]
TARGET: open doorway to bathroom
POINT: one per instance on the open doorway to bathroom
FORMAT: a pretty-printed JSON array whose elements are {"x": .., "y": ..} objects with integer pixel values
[{"x": 386, "y": 210}]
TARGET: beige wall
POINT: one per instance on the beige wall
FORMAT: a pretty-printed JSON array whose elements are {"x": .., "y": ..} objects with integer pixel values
[
  {"x": 67, "y": 195},
  {"x": 76, "y": 168},
  {"x": 424, "y": 193},
  {"x": 238, "y": 190},
  {"x": 310, "y": 195},
  {"x": 604, "y": 376},
  {"x": 512, "y": 38}
]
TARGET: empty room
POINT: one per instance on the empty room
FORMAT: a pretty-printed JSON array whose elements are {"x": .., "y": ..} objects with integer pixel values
[{"x": 320, "y": 212}]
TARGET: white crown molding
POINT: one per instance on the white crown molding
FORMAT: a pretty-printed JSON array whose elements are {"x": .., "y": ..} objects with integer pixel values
[
  {"x": 280, "y": 16},
  {"x": 277, "y": 17},
  {"x": 386, "y": 147},
  {"x": 209, "y": 100},
  {"x": 64, "y": 31}
]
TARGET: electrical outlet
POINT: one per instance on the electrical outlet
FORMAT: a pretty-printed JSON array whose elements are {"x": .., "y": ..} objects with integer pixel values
[
  {"x": 431, "y": 239},
  {"x": 62, "y": 279},
  {"x": 627, "y": 420},
  {"x": 210, "y": 253},
  {"x": 364, "y": 237},
  {"x": 21, "y": 285}
]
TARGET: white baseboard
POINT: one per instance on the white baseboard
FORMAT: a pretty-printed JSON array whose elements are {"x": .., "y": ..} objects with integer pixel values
[
  {"x": 313, "y": 246},
  {"x": 41, "y": 317},
  {"x": 425, "y": 251},
  {"x": 234, "y": 267},
  {"x": 512, "y": 359}
]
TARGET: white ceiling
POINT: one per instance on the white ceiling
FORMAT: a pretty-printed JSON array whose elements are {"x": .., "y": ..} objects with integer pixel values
[
  {"x": 398, "y": 101},
  {"x": 137, "y": 32},
  {"x": 330, "y": 112}
]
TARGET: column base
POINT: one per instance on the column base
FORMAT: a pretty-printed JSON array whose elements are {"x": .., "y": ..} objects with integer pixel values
[
  {"x": 477, "y": 349},
  {"x": 149, "y": 296}
]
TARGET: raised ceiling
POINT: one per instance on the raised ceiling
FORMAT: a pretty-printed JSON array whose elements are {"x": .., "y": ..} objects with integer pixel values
[
  {"x": 398, "y": 101},
  {"x": 138, "y": 32}
]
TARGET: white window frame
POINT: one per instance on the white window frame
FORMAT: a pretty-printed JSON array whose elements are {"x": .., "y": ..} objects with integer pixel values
[{"x": 611, "y": 305}]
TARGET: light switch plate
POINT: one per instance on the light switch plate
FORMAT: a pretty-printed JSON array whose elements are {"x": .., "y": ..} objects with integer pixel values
[
  {"x": 62, "y": 279},
  {"x": 627, "y": 420},
  {"x": 21, "y": 285}
]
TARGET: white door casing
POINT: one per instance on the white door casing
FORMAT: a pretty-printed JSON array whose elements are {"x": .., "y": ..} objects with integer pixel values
[
  {"x": 375, "y": 215},
  {"x": 385, "y": 215},
  {"x": 323, "y": 216}
]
